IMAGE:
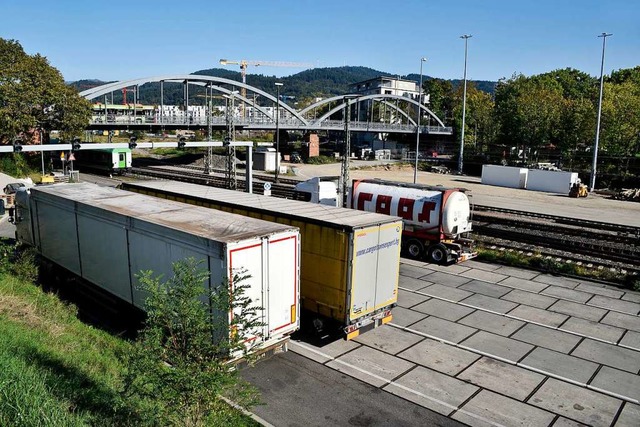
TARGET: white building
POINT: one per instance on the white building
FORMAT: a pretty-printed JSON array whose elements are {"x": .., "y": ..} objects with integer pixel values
[{"x": 386, "y": 86}]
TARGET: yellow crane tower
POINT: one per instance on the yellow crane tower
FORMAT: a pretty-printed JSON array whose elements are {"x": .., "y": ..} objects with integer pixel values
[{"x": 243, "y": 63}]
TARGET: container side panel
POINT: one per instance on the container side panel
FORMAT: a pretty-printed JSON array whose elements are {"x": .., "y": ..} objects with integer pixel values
[
  {"x": 388, "y": 267},
  {"x": 283, "y": 308},
  {"x": 364, "y": 271},
  {"x": 147, "y": 252},
  {"x": 247, "y": 260},
  {"x": 58, "y": 235},
  {"x": 104, "y": 256}
]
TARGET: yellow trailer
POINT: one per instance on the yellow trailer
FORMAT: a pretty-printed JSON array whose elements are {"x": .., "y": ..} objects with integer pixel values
[{"x": 349, "y": 259}]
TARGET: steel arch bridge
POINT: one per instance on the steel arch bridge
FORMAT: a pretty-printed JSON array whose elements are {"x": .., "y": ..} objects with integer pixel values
[{"x": 319, "y": 116}]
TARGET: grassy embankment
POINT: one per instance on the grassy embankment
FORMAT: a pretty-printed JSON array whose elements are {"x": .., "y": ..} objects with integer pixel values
[{"x": 59, "y": 371}]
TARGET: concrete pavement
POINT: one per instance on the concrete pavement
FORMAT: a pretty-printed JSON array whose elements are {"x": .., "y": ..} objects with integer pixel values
[{"x": 492, "y": 345}]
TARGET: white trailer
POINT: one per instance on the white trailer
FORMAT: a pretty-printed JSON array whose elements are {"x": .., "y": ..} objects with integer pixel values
[
  {"x": 107, "y": 236},
  {"x": 551, "y": 181}
]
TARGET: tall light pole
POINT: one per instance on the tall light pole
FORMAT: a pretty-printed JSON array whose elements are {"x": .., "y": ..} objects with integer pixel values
[
  {"x": 466, "y": 37},
  {"x": 415, "y": 170},
  {"x": 592, "y": 184},
  {"x": 344, "y": 174},
  {"x": 278, "y": 84}
]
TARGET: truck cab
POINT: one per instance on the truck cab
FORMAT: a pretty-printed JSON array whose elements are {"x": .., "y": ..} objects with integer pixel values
[{"x": 321, "y": 190}]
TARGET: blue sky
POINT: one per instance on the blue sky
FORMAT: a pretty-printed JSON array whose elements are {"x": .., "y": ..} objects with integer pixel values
[{"x": 118, "y": 40}]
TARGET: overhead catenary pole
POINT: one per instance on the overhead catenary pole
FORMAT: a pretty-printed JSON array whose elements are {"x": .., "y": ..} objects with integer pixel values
[
  {"x": 278, "y": 85},
  {"x": 592, "y": 184},
  {"x": 415, "y": 170},
  {"x": 344, "y": 176},
  {"x": 466, "y": 37}
]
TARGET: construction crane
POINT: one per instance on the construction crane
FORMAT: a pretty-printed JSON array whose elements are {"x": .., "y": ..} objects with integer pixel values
[{"x": 243, "y": 63}]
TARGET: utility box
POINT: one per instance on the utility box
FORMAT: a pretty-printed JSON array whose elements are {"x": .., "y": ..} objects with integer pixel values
[
  {"x": 265, "y": 160},
  {"x": 504, "y": 176},
  {"x": 551, "y": 181}
]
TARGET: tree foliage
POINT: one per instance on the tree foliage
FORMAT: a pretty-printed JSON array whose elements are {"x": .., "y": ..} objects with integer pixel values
[
  {"x": 182, "y": 353},
  {"x": 34, "y": 96}
]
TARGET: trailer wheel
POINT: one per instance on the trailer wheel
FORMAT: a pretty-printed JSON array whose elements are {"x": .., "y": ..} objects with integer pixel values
[
  {"x": 414, "y": 248},
  {"x": 438, "y": 253}
]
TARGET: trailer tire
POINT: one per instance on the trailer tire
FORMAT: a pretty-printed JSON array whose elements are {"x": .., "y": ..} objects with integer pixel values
[
  {"x": 414, "y": 249},
  {"x": 438, "y": 253}
]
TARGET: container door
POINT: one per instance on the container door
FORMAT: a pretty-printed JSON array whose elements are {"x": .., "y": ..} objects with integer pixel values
[
  {"x": 375, "y": 266},
  {"x": 246, "y": 269},
  {"x": 284, "y": 279}
]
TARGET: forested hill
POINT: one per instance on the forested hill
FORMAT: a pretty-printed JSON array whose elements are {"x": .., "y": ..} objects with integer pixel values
[{"x": 316, "y": 82}]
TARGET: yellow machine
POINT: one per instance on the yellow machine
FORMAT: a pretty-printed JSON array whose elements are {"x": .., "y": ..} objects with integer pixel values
[{"x": 578, "y": 190}]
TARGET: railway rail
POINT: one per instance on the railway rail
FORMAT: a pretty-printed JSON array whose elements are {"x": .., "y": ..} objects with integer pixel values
[{"x": 595, "y": 243}]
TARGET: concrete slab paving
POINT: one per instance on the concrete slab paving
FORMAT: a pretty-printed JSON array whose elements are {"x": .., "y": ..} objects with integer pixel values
[
  {"x": 490, "y": 322},
  {"x": 619, "y": 382},
  {"x": 447, "y": 279},
  {"x": 538, "y": 315},
  {"x": 451, "y": 269},
  {"x": 615, "y": 304},
  {"x": 593, "y": 329},
  {"x": 389, "y": 339},
  {"x": 481, "y": 265},
  {"x": 490, "y": 409},
  {"x": 523, "y": 284},
  {"x": 565, "y": 422},
  {"x": 622, "y": 320},
  {"x": 631, "y": 296},
  {"x": 432, "y": 390},
  {"x": 609, "y": 355},
  {"x": 443, "y": 329},
  {"x": 489, "y": 303},
  {"x": 578, "y": 310},
  {"x": 405, "y": 317},
  {"x": 629, "y": 416},
  {"x": 439, "y": 356},
  {"x": 547, "y": 338},
  {"x": 414, "y": 271},
  {"x": 495, "y": 345},
  {"x": 486, "y": 276},
  {"x": 502, "y": 378},
  {"x": 549, "y": 279},
  {"x": 412, "y": 283},
  {"x": 408, "y": 299},
  {"x": 325, "y": 353},
  {"x": 446, "y": 292},
  {"x": 577, "y": 403},
  {"x": 485, "y": 288},
  {"x": 566, "y": 293},
  {"x": 631, "y": 339},
  {"x": 560, "y": 364},
  {"x": 599, "y": 290},
  {"x": 443, "y": 309},
  {"x": 370, "y": 365},
  {"x": 516, "y": 272},
  {"x": 529, "y": 298}
]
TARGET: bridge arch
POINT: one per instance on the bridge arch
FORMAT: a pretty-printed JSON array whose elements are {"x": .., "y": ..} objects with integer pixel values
[
  {"x": 356, "y": 98},
  {"x": 195, "y": 79}
]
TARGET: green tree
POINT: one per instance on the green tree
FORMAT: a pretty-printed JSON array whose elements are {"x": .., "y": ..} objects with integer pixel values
[
  {"x": 480, "y": 120},
  {"x": 34, "y": 97},
  {"x": 181, "y": 357},
  {"x": 620, "y": 118},
  {"x": 441, "y": 98}
]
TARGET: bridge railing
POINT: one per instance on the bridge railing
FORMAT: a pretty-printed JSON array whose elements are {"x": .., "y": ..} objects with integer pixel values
[{"x": 266, "y": 123}]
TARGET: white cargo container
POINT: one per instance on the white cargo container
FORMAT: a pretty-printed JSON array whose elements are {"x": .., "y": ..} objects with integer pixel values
[
  {"x": 265, "y": 160},
  {"x": 350, "y": 259},
  {"x": 551, "y": 181},
  {"x": 107, "y": 236},
  {"x": 504, "y": 176}
]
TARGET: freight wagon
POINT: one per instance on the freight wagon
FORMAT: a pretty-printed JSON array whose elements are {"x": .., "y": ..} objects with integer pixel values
[
  {"x": 350, "y": 259},
  {"x": 106, "y": 236},
  {"x": 435, "y": 218}
]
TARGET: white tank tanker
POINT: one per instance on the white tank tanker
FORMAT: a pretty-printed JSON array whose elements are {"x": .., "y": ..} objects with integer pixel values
[{"x": 434, "y": 217}]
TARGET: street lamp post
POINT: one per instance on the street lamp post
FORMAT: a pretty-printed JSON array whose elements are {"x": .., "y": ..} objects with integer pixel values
[
  {"x": 277, "y": 129},
  {"x": 464, "y": 102},
  {"x": 592, "y": 184},
  {"x": 415, "y": 170}
]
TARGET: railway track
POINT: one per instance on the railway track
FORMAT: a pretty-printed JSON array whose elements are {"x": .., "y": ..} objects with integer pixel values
[{"x": 583, "y": 242}]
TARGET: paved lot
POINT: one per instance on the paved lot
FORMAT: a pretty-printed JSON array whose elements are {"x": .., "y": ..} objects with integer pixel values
[{"x": 491, "y": 345}]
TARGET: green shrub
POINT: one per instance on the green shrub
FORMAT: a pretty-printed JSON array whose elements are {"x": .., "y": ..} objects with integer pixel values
[{"x": 321, "y": 160}]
